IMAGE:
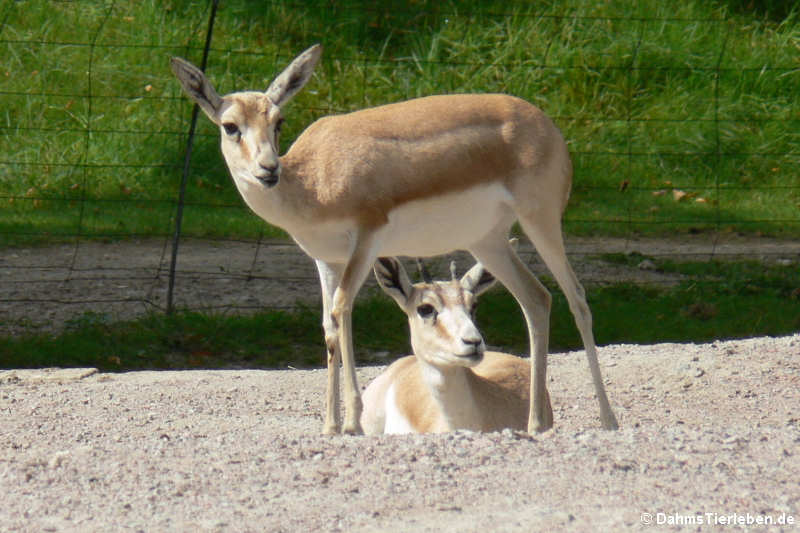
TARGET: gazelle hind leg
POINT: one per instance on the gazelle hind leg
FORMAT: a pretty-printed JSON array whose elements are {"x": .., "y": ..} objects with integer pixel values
[
  {"x": 500, "y": 259},
  {"x": 550, "y": 246}
]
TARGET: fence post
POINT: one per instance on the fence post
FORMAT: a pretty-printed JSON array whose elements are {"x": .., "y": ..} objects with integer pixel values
[{"x": 186, "y": 165}]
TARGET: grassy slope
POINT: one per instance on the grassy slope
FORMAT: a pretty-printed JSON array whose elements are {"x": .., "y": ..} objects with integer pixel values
[
  {"x": 699, "y": 98},
  {"x": 653, "y": 98}
]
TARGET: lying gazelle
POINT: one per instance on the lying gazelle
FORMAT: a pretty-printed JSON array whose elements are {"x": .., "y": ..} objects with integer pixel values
[
  {"x": 416, "y": 178},
  {"x": 450, "y": 382}
]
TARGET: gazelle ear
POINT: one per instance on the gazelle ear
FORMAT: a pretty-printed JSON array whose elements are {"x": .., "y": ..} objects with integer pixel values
[
  {"x": 477, "y": 279},
  {"x": 393, "y": 279},
  {"x": 294, "y": 77},
  {"x": 197, "y": 87}
]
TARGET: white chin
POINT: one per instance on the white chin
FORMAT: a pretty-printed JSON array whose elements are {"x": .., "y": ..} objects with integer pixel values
[{"x": 465, "y": 360}]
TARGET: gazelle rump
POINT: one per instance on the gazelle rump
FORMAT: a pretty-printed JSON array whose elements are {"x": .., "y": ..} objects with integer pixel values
[
  {"x": 417, "y": 178},
  {"x": 450, "y": 382}
]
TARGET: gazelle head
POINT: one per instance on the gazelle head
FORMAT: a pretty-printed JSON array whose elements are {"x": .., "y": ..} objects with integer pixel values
[
  {"x": 440, "y": 313},
  {"x": 249, "y": 122}
]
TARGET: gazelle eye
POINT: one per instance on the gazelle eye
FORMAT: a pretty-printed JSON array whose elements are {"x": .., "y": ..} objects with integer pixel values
[
  {"x": 231, "y": 128},
  {"x": 426, "y": 311}
]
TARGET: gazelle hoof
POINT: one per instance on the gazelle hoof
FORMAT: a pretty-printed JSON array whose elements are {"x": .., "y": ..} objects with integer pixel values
[
  {"x": 332, "y": 429},
  {"x": 539, "y": 426},
  {"x": 611, "y": 423},
  {"x": 353, "y": 429}
]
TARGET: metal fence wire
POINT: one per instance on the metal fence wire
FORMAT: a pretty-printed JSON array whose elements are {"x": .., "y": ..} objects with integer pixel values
[{"x": 103, "y": 211}]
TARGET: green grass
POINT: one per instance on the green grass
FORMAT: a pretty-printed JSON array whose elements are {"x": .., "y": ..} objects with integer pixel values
[
  {"x": 653, "y": 97},
  {"x": 272, "y": 339},
  {"x": 680, "y": 116},
  {"x": 718, "y": 300}
]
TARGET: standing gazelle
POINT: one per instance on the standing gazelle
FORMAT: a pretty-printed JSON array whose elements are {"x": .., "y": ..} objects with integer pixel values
[
  {"x": 417, "y": 178},
  {"x": 451, "y": 382}
]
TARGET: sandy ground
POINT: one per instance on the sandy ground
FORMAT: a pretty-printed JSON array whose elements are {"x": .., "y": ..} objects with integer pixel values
[
  {"x": 710, "y": 437},
  {"x": 710, "y": 441}
]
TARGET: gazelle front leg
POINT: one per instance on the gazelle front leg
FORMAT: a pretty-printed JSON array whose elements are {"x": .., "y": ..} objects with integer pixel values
[
  {"x": 330, "y": 274},
  {"x": 355, "y": 273}
]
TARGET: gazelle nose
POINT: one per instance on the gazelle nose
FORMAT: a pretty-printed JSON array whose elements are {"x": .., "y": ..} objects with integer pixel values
[
  {"x": 474, "y": 348},
  {"x": 269, "y": 167},
  {"x": 269, "y": 174},
  {"x": 472, "y": 341}
]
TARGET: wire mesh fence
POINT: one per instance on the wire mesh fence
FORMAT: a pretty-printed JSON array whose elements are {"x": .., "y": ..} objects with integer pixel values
[{"x": 678, "y": 124}]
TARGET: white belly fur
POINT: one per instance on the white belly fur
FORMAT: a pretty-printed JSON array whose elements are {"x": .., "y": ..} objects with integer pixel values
[{"x": 421, "y": 228}]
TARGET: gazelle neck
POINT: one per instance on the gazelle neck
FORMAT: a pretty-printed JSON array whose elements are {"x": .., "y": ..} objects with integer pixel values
[
  {"x": 452, "y": 388},
  {"x": 286, "y": 205}
]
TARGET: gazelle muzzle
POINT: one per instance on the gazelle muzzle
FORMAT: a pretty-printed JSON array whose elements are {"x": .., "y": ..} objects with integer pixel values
[{"x": 268, "y": 175}]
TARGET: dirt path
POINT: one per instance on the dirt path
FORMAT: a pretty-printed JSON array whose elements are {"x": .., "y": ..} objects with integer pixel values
[
  {"x": 710, "y": 437},
  {"x": 43, "y": 288}
]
